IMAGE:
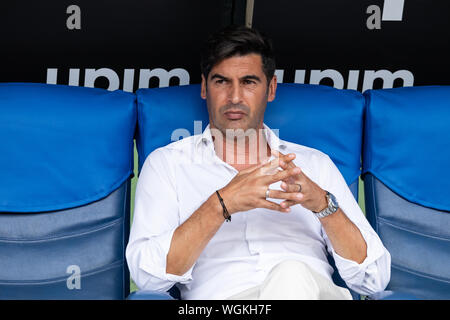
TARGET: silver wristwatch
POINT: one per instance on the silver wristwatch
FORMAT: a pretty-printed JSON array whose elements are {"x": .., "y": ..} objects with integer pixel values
[{"x": 333, "y": 206}]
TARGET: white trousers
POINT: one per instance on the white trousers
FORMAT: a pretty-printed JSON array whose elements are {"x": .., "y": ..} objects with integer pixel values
[{"x": 294, "y": 280}]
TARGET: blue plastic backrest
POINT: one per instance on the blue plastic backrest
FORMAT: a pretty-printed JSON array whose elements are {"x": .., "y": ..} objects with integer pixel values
[
  {"x": 407, "y": 142},
  {"x": 406, "y": 156},
  {"x": 62, "y": 146},
  {"x": 316, "y": 116},
  {"x": 67, "y": 157}
]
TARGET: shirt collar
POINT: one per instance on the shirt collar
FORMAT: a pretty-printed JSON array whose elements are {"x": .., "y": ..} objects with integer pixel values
[
  {"x": 272, "y": 138},
  {"x": 206, "y": 136}
]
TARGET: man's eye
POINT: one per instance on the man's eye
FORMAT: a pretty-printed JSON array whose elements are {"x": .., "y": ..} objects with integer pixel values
[
  {"x": 248, "y": 82},
  {"x": 220, "y": 81}
]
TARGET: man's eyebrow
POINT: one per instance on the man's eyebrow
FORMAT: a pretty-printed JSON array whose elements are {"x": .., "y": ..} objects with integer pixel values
[
  {"x": 218, "y": 76},
  {"x": 251, "y": 77}
]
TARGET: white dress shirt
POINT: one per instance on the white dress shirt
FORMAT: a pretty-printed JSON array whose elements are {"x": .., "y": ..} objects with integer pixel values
[{"x": 176, "y": 179}]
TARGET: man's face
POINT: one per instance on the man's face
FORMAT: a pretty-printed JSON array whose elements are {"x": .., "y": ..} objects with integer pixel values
[{"x": 237, "y": 93}]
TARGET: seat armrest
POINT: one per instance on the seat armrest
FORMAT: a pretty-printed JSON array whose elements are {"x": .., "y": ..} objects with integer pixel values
[{"x": 149, "y": 295}]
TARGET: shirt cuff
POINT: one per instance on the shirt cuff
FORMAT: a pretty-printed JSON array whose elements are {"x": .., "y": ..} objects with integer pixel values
[
  {"x": 354, "y": 272},
  {"x": 156, "y": 258}
]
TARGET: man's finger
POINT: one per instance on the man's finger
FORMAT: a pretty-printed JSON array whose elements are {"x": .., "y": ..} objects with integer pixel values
[
  {"x": 271, "y": 166},
  {"x": 285, "y": 174},
  {"x": 273, "y": 206},
  {"x": 277, "y": 194},
  {"x": 284, "y": 157},
  {"x": 288, "y": 203},
  {"x": 256, "y": 167},
  {"x": 291, "y": 187},
  {"x": 287, "y": 162}
]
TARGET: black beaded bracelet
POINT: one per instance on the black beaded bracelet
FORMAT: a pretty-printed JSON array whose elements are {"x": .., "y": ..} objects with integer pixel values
[{"x": 226, "y": 215}]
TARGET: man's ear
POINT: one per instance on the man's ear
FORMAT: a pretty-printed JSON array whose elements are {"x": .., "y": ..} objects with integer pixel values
[
  {"x": 203, "y": 89},
  {"x": 272, "y": 89}
]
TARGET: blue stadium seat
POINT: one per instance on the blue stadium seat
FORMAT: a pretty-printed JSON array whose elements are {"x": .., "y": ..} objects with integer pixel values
[
  {"x": 316, "y": 116},
  {"x": 65, "y": 167},
  {"x": 406, "y": 158}
]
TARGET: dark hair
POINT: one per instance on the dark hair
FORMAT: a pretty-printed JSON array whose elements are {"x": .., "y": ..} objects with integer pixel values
[{"x": 237, "y": 41}]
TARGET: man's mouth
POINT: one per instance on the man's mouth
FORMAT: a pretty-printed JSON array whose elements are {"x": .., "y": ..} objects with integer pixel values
[{"x": 234, "y": 114}]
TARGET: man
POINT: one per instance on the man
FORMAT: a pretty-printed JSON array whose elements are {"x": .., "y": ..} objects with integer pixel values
[{"x": 285, "y": 204}]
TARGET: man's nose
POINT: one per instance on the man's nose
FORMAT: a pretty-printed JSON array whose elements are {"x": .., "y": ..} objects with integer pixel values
[{"x": 235, "y": 93}]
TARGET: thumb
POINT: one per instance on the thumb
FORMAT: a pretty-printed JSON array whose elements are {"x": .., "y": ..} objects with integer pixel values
[{"x": 253, "y": 168}]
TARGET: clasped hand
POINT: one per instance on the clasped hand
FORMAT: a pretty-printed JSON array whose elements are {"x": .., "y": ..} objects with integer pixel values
[{"x": 247, "y": 190}]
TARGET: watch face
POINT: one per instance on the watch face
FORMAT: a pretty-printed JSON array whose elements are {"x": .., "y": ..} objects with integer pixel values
[
  {"x": 332, "y": 206},
  {"x": 333, "y": 202},
  {"x": 333, "y": 199}
]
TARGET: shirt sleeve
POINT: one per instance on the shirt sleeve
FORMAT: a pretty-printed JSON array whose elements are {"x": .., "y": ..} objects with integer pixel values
[
  {"x": 373, "y": 274},
  {"x": 155, "y": 219}
]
